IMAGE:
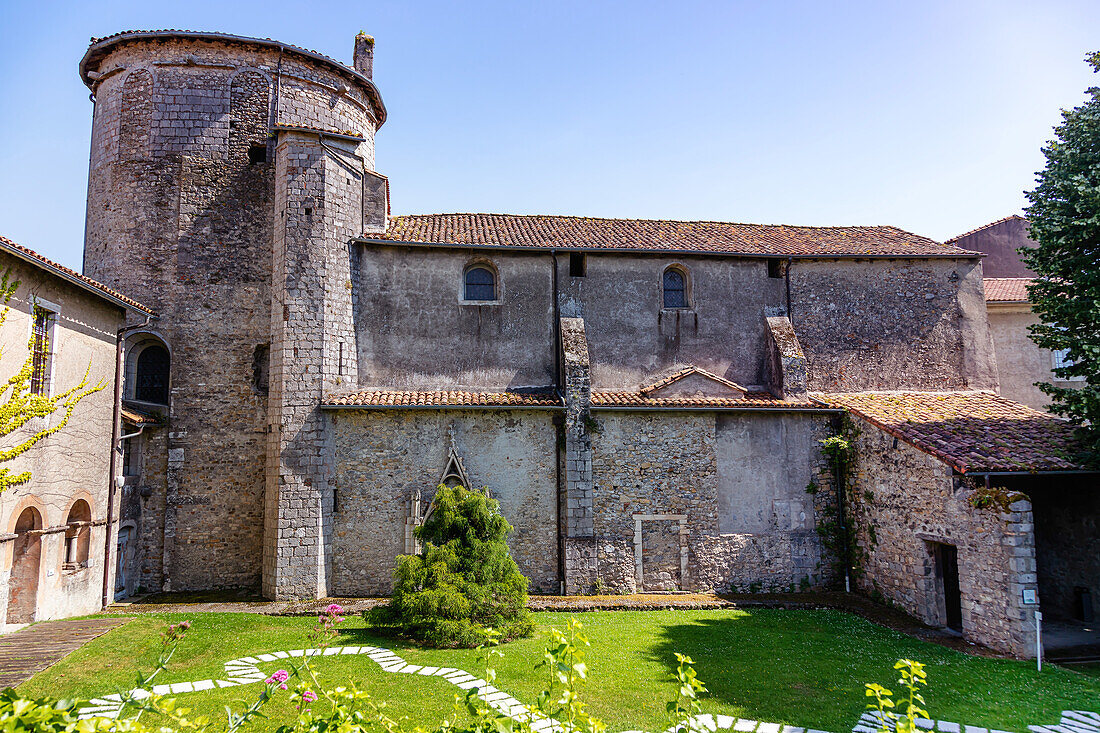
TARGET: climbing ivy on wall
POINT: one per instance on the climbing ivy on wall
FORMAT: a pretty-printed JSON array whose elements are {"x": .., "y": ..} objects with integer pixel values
[{"x": 19, "y": 405}]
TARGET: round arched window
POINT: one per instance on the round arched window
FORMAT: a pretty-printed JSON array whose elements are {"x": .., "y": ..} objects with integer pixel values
[
  {"x": 480, "y": 284},
  {"x": 675, "y": 288},
  {"x": 151, "y": 375}
]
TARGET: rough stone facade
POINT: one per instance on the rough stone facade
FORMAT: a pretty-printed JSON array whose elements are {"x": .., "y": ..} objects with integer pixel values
[
  {"x": 902, "y": 502},
  {"x": 325, "y": 380},
  {"x": 384, "y": 459},
  {"x": 893, "y": 324},
  {"x": 186, "y": 211}
]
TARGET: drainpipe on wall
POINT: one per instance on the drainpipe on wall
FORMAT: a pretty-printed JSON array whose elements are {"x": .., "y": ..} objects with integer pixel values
[
  {"x": 116, "y": 438},
  {"x": 559, "y": 422}
]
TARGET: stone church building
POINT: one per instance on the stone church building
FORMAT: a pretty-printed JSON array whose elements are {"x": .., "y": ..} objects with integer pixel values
[{"x": 646, "y": 399}]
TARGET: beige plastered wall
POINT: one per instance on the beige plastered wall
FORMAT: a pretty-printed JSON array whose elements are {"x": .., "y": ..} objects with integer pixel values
[{"x": 73, "y": 463}]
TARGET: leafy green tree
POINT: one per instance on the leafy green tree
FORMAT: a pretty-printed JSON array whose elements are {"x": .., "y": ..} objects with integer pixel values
[
  {"x": 463, "y": 581},
  {"x": 19, "y": 404},
  {"x": 1064, "y": 220}
]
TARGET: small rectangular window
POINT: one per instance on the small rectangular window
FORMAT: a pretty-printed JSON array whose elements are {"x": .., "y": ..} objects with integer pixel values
[
  {"x": 1060, "y": 360},
  {"x": 775, "y": 267},
  {"x": 577, "y": 264},
  {"x": 257, "y": 153},
  {"x": 40, "y": 351}
]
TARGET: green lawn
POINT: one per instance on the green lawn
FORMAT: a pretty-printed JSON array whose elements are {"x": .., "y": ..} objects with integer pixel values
[{"x": 805, "y": 668}]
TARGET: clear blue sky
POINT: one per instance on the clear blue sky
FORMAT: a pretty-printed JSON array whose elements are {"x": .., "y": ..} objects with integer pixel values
[{"x": 925, "y": 115}]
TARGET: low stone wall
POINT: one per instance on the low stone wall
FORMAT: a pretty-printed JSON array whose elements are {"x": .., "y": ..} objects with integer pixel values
[{"x": 902, "y": 502}]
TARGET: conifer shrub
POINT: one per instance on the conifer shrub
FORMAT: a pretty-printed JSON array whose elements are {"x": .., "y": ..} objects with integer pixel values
[{"x": 462, "y": 582}]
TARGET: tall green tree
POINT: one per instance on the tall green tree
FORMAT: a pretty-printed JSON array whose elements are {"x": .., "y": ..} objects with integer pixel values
[{"x": 1064, "y": 220}]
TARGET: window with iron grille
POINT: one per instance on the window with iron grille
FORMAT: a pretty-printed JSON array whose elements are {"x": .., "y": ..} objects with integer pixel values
[
  {"x": 40, "y": 352},
  {"x": 480, "y": 284},
  {"x": 675, "y": 289},
  {"x": 153, "y": 364}
]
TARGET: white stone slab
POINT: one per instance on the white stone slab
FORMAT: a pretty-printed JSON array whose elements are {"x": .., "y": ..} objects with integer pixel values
[
  {"x": 179, "y": 687},
  {"x": 333, "y": 650},
  {"x": 946, "y": 727},
  {"x": 470, "y": 683},
  {"x": 266, "y": 658},
  {"x": 444, "y": 671},
  {"x": 350, "y": 650},
  {"x": 768, "y": 728},
  {"x": 204, "y": 685},
  {"x": 792, "y": 729},
  {"x": 411, "y": 669},
  {"x": 725, "y": 721},
  {"x": 226, "y": 683},
  {"x": 428, "y": 670},
  {"x": 745, "y": 725},
  {"x": 248, "y": 660},
  {"x": 161, "y": 689},
  {"x": 975, "y": 729},
  {"x": 297, "y": 652}
]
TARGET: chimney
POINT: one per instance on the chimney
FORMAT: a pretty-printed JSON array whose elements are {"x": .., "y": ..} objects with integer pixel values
[{"x": 364, "y": 54}]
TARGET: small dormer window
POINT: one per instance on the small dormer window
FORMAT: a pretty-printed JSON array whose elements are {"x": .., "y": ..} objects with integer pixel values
[
  {"x": 480, "y": 284},
  {"x": 674, "y": 283}
]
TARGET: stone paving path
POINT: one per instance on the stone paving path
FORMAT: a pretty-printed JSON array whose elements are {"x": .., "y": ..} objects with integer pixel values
[
  {"x": 31, "y": 650},
  {"x": 245, "y": 671}
]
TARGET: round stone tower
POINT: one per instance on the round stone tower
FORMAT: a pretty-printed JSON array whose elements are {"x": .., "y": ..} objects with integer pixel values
[{"x": 227, "y": 177}]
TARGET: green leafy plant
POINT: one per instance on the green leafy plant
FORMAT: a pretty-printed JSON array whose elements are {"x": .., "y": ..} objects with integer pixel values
[
  {"x": 903, "y": 713},
  {"x": 564, "y": 662},
  {"x": 683, "y": 710},
  {"x": 463, "y": 581},
  {"x": 1064, "y": 221}
]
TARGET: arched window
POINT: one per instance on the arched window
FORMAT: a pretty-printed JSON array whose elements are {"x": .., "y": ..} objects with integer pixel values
[
  {"x": 78, "y": 534},
  {"x": 151, "y": 375},
  {"x": 480, "y": 284},
  {"x": 674, "y": 283}
]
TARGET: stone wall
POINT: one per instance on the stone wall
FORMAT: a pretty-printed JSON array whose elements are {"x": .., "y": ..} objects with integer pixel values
[
  {"x": 732, "y": 487},
  {"x": 892, "y": 324},
  {"x": 182, "y": 216},
  {"x": 902, "y": 502},
  {"x": 383, "y": 457}
]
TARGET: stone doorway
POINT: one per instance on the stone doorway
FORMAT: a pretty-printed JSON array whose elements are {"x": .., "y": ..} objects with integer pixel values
[
  {"x": 660, "y": 551},
  {"x": 947, "y": 574},
  {"x": 25, "y": 565}
]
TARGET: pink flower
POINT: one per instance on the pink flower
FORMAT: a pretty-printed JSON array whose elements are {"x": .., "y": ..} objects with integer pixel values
[
  {"x": 334, "y": 609},
  {"x": 309, "y": 696},
  {"x": 279, "y": 678}
]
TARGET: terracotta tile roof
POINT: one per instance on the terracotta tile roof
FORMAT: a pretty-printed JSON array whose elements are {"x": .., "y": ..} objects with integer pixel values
[
  {"x": 970, "y": 431},
  {"x": 97, "y": 47},
  {"x": 687, "y": 372},
  {"x": 641, "y": 235},
  {"x": 984, "y": 226},
  {"x": 752, "y": 400},
  {"x": 444, "y": 398},
  {"x": 136, "y": 416},
  {"x": 87, "y": 283},
  {"x": 1006, "y": 289}
]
